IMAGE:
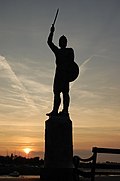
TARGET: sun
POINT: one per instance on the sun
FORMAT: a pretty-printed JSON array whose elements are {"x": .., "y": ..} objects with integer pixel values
[{"x": 27, "y": 150}]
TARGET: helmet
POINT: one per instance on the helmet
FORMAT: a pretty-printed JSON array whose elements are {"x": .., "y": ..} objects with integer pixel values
[{"x": 63, "y": 41}]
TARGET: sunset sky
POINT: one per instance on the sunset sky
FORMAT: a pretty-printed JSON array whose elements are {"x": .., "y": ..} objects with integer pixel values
[{"x": 27, "y": 68}]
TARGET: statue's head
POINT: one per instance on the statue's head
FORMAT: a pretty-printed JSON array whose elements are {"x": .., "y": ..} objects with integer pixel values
[{"x": 63, "y": 42}]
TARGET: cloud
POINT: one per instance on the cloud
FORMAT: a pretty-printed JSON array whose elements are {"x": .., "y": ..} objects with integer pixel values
[
  {"x": 82, "y": 66},
  {"x": 36, "y": 87},
  {"x": 16, "y": 83}
]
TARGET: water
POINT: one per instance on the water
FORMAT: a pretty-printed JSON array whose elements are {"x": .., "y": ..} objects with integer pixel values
[
  {"x": 21, "y": 176},
  {"x": 105, "y": 171}
]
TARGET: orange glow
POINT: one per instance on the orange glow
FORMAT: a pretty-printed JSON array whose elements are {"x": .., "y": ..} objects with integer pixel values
[{"x": 27, "y": 150}]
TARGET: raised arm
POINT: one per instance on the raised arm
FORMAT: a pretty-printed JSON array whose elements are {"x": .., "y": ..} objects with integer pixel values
[{"x": 50, "y": 39}]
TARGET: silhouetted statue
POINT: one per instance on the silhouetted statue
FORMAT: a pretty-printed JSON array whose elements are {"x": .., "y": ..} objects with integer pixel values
[{"x": 64, "y": 64}]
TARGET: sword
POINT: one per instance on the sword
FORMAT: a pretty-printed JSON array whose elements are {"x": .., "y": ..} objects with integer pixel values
[{"x": 55, "y": 17}]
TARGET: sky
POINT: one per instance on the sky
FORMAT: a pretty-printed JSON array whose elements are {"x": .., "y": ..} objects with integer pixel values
[{"x": 27, "y": 68}]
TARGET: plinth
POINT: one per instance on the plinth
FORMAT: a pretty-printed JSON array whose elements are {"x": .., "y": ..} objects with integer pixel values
[{"x": 58, "y": 161}]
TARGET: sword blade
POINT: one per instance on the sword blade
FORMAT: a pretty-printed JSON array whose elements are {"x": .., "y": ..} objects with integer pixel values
[{"x": 56, "y": 16}]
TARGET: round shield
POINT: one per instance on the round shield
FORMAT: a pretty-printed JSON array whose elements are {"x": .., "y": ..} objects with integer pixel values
[{"x": 73, "y": 72}]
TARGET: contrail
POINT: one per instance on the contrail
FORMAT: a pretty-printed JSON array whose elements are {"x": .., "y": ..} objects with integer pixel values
[
  {"x": 81, "y": 67},
  {"x": 4, "y": 64},
  {"x": 85, "y": 62},
  {"x": 89, "y": 59}
]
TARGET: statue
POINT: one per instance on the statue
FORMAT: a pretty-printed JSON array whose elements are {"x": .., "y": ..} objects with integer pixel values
[{"x": 66, "y": 71}]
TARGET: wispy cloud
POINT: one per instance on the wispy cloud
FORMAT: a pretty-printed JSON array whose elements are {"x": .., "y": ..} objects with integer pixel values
[
  {"x": 82, "y": 66},
  {"x": 17, "y": 84}
]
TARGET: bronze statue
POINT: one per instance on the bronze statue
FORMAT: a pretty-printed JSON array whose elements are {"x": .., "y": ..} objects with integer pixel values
[{"x": 66, "y": 71}]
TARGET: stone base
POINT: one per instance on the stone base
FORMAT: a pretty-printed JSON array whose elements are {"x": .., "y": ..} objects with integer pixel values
[
  {"x": 58, "y": 161},
  {"x": 58, "y": 143},
  {"x": 61, "y": 174}
]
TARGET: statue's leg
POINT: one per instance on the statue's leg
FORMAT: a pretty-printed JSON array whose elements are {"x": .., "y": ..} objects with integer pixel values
[
  {"x": 56, "y": 90},
  {"x": 57, "y": 101},
  {"x": 66, "y": 97},
  {"x": 56, "y": 104},
  {"x": 66, "y": 101}
]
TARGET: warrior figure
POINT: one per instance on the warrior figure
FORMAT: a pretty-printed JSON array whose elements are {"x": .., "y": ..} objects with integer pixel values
[{"x": 64, "y": 61}]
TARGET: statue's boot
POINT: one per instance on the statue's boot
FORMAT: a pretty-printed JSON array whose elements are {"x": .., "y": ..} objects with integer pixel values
[
  {"x": 64, "y": 113},
  {"x": 52, "y": 113}
]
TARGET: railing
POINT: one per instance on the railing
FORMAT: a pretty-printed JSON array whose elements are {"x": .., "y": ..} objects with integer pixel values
[
  {"x": 93, "y": 159},
  {"x": 77, "y": 172}
]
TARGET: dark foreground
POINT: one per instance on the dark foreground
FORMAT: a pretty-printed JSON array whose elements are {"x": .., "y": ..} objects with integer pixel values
[
  {"x": 37, "y": 178},
  {"x": 104, "y": 178},
  {"x": 18, "y": 179}
]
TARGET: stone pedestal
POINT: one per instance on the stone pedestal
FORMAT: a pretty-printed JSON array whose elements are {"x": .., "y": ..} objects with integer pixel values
[
  {"x": 58, "y": 149},
  {"x": 58, "y": 143}
]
